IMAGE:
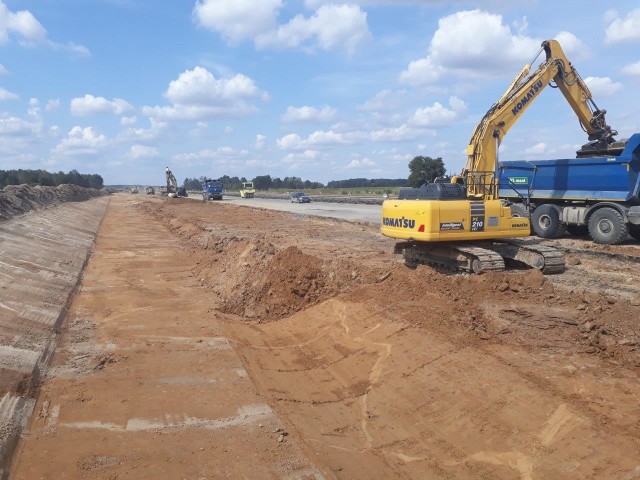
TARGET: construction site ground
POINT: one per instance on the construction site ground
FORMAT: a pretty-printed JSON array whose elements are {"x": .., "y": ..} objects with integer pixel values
[{"x": 211, "y": 340}]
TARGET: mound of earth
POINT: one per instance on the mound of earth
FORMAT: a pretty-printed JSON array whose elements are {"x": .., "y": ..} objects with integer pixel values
[{"x": 18, "y": 199}]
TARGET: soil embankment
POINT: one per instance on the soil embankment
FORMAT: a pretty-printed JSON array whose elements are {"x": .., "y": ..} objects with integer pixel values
[{"x": 41, "y": 259}]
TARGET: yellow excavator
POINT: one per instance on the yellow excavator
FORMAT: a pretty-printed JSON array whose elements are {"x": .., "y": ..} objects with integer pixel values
[{"x": 462, "y": 224}]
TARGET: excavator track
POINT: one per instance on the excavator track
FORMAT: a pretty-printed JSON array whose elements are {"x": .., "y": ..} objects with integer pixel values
[
  {"x": 480, "y": 257},
  {"x": 469, "y": 258},
  {"x": 547, "y": 259}
]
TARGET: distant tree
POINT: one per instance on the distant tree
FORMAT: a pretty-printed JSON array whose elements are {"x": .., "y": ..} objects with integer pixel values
[
  {"x": 42, "y": 177},
  {"x": 262, "y": 182},
  {"x": 425, "y": 170}
]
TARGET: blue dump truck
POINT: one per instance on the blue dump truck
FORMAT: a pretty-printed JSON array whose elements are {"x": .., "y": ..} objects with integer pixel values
[
  {"x": 598, "y": 196},
  {"x": 211, "y": 190}
]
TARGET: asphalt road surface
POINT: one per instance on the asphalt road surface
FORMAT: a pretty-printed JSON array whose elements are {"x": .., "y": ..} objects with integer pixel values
[{"x": 344, "y": 211}]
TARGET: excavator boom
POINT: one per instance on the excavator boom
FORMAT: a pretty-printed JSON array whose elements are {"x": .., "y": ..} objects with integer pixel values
[{"x": 464, "y": 224}]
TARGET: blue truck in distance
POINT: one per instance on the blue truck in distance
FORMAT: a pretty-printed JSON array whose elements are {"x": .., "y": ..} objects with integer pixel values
[
  {"x": 594, "y": 195},
  {"x": 211, "y": 190}
]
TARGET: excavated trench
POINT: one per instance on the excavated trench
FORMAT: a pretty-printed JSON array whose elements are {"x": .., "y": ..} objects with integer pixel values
[{"x": 377, "y": 370}]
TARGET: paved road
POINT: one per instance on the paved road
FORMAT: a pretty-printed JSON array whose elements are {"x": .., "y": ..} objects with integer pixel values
[{"x": 344, "y": 211}]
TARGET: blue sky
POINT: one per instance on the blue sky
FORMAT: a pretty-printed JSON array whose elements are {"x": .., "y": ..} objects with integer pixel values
[{"x": 311, "y": 88}]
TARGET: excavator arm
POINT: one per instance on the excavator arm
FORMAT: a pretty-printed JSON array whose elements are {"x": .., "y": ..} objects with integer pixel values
[{"x": 480, "y": 174}]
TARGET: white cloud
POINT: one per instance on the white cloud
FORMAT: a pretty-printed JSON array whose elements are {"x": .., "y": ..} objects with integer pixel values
[
  {"x": 318, "y": 139},
  {"x": 132, "y": 120},
  {"x": 632, "y": 69},
  {"x": 3, "y": 70},
  {"x": 602, "y": 86},
  {"x": 197, "y": 95},
  {"x": 471, "y": 43},
  {"x": 308, "y": 114},
  {"x": 237, "y": 20},
  {"x": 298, "y": 158},
  {"x": 331, "y": 27},
  {"x": 22, "y": 23},
  {"x": 622, "y": 29},
  {"x": 90, "y": 105},
  {"x": 7, "y": 95},
  {"x": 402, "y": 133},
  {"x": 437, "y": 115},
  {"x": 82, "y": 141},
  {"x": 537, "y": 149},
  {"x": 572, "y": 46},
  {"x": 361, "y": 162},
  {"x": 52, "y": 105},
  {"x": 18, "y": 127},
  {"x": 261, "y": 142},
  {"x": 157, "y": 129},
  {"x": 385, "y": 101},
  {"x": 143, "y": 151}
]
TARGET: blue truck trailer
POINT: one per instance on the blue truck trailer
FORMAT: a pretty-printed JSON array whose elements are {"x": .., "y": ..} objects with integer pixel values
[
  {"x": 212, "y": 190},
  {"x": 599, "y": 196}
]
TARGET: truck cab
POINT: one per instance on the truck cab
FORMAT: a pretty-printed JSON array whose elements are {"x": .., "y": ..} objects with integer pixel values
[
  {"x": 212, "y": 190},
  {"x": 247, "y": 190}
]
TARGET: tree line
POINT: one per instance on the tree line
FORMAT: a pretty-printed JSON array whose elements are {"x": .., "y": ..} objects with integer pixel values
[
  {"x": 421, "y": 170},
  {"x": 44, "y": 178}
]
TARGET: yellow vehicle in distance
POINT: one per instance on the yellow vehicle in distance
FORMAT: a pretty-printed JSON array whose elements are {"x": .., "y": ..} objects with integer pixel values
[{"x": 247, "y": 190}]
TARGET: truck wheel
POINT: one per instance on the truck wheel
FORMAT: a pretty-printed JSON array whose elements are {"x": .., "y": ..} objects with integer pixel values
[
  {"x": 578, "y": 230},
  {"x": 607, "y": 226},
  {"x": 519, "y": 210},
  {"x": 634, "y": 231},
  {"x": 545, "y": 221}
]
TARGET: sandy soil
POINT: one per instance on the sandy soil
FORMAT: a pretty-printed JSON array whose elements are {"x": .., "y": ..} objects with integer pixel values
[{"x": 356, "y": 366}]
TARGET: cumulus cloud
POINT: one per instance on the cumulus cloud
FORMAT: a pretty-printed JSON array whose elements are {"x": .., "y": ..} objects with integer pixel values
[
  {"x": 132, "y": 120},
  {"x": 308, "y": 114},
  {"x": 361, "y": 162},
  {"x": 625, "y": 29},
  {"x": 437, "y": 115},
  {"x": 11, "y": 126},
  {"x": 572, "y": 46},
  {"x": 7, "y": 95},
  {"x": 237, "y": 20},
  {"x": 143, "y": 151},
  {"x": 52, "y": 105},
  {"x": 402, "y": 133},
  {"x": 29, "y": 30},
  {"x": 632, "y": 69},
  {"x": 21, "y": 23},
  {"x": 82, "y": 141},
  {"x": 602, "y": 86},
  {"x": 385, "y": 101},
  {"x": 197, "y": 95},
  {"x": 90, "y": 105},
  {"x": 261, "y": 142},
  {"x": 466, "y": 43},
  {"x": 318, "y": 139},
  {"x": 330, "y": 27},
  {"x": 537, "y": 149}
]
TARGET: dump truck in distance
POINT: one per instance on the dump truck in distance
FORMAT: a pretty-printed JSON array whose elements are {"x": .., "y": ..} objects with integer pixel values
[
  {"x": 594, "y": 195},
  {"x": 212, "y": 190}
]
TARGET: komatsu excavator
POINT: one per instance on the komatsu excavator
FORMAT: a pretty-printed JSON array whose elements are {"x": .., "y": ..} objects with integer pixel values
[{"x": 463, "y": 224}]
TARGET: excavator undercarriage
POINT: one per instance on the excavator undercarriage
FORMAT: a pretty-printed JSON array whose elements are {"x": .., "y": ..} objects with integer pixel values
[{"x": 481, "y": 257}]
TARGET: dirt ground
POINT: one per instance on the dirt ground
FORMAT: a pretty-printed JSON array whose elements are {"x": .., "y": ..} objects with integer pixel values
[{"x": 217, "y": 341}]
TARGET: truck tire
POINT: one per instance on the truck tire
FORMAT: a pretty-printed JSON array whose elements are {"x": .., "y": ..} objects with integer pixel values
[
  {"x": 607, "y": 226},
  {"x": 545, "y": 221},
  {"x": 634, "y": 231},
  {"x": 578, "y": 230},
  {"x": 519, "y": 210}
]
